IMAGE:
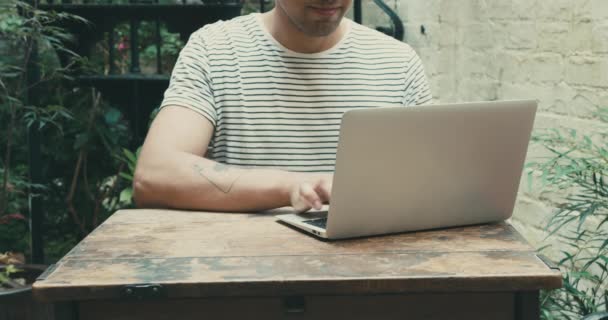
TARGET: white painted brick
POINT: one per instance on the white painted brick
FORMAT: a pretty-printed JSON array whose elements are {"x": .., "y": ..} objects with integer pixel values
[
  {"x": 448, "y": 62},
  {"x": 501, "y": 30},
  {"x": 549, "y": 98},
  {"x": 435, "y": 83},
  {"x": 599, "y": 10},
  {"x": 510, "y": 66},
  {"x": 446, "y": 88},
  {"x": 418, "y": 11},
  {"x": 561, "y": 10},
  {"x": 524, "y": 9},
  {"x": 552, "y": 36},
  {"x": 449, "y": 36},
  {"x": 559, "y": 98},
  {"x": 522, "y": 35},
  {"x": 547, "y": 68},
  {"x": 427, "y": 40},
  {"x": 449, "y": 12},
  {"x": 585, "y": 103},
  {"x": 537, "y": 238},
  {"x": 533, "y": 212},
  {"x": 473, "y": 11},
  {"x": 590, "y": 71},
  {"x": 600, "y": 38},
  {"x": 430, "y": 57},
  {"x": 478, "y": 63},
  {"x": 585, "y": 126},
  {"x": 479, "y": 89},
  {"x": 583, "y": 11},
  {"x": 500, "y": 9},
  {"x": 477, "y": 36},
  {"x": 603, "y": 95},
  {"x": 516, "y": 91},
  {"x": 580, "y": 38}
]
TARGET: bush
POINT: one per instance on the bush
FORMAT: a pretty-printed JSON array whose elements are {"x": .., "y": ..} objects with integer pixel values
[
  {"x": 82, "y": 135},
  {"x": 578, "y": 166}
]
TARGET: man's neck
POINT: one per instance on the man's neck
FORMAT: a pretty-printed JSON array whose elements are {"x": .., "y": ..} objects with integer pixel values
[{"x": 287, "y": 34}]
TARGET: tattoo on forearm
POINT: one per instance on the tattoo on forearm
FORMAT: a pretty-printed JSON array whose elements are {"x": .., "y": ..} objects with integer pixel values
[
  {"x": 211, "y": 174},
  {"x": 220, "y": 167}
]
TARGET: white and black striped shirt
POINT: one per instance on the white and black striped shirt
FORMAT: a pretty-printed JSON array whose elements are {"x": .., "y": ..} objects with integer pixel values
[{"x": 275, "y": 108}]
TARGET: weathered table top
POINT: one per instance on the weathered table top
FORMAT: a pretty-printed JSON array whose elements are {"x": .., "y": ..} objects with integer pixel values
[{"x": 199, "y": 254}]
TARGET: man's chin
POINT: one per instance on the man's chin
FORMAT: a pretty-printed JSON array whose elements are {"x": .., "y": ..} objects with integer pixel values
[{"x": 322, "y": 29}]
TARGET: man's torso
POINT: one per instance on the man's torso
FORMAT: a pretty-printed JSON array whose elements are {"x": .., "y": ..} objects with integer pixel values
[{"x": 277, "y": 108}]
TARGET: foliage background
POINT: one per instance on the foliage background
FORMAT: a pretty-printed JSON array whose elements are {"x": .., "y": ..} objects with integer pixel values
[{"x": 82, "y": 136}]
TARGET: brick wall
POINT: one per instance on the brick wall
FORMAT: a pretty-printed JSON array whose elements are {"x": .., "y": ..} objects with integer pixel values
[{"x": 554, "y": 51}]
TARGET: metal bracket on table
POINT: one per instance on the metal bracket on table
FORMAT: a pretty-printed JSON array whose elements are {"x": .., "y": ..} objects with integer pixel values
[
  {"x": 47, "y": 272},
  {"x": 548, "y": 262},
  {"x": 294, "y": 305},
  {"x": 143, "y": 291}
]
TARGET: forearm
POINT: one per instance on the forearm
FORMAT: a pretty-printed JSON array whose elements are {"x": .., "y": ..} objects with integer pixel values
[{"x": 186, "y": 181}]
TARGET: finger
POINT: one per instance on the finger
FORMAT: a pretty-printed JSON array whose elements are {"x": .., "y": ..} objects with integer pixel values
[
  {"x": 310, "y": 196},
  {"x": 300, "y": 207},
  {"x": 323, "y": 188},
  {"x": 298, "y": 203}
]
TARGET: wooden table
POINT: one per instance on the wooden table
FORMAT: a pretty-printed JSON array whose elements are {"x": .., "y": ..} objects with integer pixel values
[{"x": 161, "y": 264}]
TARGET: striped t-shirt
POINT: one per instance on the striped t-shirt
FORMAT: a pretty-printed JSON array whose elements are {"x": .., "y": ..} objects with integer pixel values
[{"x": 276, "y": 108}]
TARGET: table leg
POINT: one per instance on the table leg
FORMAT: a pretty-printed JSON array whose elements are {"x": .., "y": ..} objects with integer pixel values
[
  {"x": 66, "y": 311},
  {"x": 527, "y": 305}
]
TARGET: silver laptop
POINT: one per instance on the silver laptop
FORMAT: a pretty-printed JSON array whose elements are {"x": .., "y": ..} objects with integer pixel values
[{"x": 427, "y": 167}]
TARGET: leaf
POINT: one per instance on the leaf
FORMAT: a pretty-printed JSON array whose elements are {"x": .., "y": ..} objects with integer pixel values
[
  {"x": 81, "y": 140},
  {"x": 112, "y": 116},
  {"x": 126, "y": 176},
  {"x": 566, "y": 259},
  {"x": 11, "y": 269},
  {"x": 530, "y": 180},
  {"x": 130, "y": 156},
  {"x": 589, "y": 211},
  {"x": 604, "y": 246},
  {"x": 588, "y": 141},
  {"x": 126, "y": 195},
  {"x": 543, "y": 248},
  {"x": 101, "y": 133},
  {"x": 581, "y": 275}
]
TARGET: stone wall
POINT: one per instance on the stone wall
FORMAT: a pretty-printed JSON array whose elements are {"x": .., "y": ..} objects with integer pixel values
[{"x": 553, "y": 51}]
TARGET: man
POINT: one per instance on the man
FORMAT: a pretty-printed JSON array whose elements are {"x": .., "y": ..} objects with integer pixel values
[{"x": 267, "y": 91}]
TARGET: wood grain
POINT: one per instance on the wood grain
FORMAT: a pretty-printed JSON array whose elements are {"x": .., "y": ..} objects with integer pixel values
[{"x": 197, "y": 254}]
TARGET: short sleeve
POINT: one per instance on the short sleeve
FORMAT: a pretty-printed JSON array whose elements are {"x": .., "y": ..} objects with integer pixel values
[
  {"x": 190, "y": 85},
  {"x": 417, "y": 90}
]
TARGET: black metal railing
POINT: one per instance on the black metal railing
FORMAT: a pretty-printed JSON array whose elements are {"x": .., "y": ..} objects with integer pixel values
[{"x": 396, "y": 30}]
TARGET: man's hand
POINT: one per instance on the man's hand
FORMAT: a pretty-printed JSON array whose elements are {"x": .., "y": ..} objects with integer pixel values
[{"x": 311, "y": 193}]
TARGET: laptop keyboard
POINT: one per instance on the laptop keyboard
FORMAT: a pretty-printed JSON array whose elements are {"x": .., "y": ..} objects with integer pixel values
[{"x": 319, "y": 223}]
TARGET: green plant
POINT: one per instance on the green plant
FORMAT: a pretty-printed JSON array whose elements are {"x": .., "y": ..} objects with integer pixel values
[
  {"x": 5, "y": 275},
  {"x": 81, "y": 133},
  {"x": 130, "y": 159},
  {"x": 171, "y": 45},
  {"x": 25, "y": 32},
  {"x": 577, "y": 167},
  {"x": 250, "y": 6},
  {"x": 13, "y": 231}
]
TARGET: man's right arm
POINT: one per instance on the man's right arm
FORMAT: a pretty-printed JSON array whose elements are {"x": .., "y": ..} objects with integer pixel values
[{"x": 171, "y": 172}]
